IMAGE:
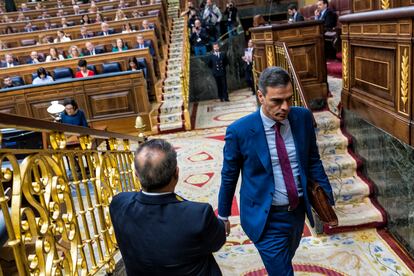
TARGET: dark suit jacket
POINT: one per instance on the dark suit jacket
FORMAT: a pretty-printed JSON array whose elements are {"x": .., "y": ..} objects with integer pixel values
[
  {"x": 148, "y": 44},
  {"x": 97, "y": 52},
  {"x": 199, "y": 39},
  {"x": 299, "y": 17},
  {"x": 109, "y": 32},
  {"x": 3, "y": 64},
  {"x": 166, "y": 235},
  {"x": 218, "y": 64},
  {"x": 329, "y": 18},
  {"x": 87, "y": 36},
  {"x": 246, "y": 150}
]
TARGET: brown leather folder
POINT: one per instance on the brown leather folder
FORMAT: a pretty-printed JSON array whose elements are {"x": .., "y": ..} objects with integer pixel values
[{"x": 320, "y": 203}]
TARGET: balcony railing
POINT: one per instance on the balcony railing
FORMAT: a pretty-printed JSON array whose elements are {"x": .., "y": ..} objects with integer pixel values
[{"x": 54, "y": 199}]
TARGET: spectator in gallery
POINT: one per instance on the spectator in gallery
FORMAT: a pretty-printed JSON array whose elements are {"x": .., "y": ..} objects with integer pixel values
[
  {"x": 6, "y": 19},
  {"x": 127, "y": 28},
  {"x": 211, "y": 16},
  {"x": 54, "y": 55},
  {"x": 46, "y": 25},
  {"x": 59, "y": 4},
  {"x": 9, "y": 61},
  {"x": 141, "y": 43},
  {"x": 64, "y": 22},
  {"x": 21, "y": 17},
  {"x": 84, "y": 33},
  {"x": 232, "y": 17},
  {"x": 7, "y": 82},
  {"x": 39, "y": 6},
  {"x": 85, "y": 20},
  {"x": 23, "y": 7},
  {"x": 91, "y": 50},
  {"x": 74, "y": 52},
  {"x": 76, "y": 10},
  {"x": 34, "y": 58},
  {"x": 99, "y": 18},
  {"x": 42, "y": 77},
  {"x": 145, "y": 25},
  {"x": 132, "y": 64},
  {"x": 294, "y": 15},
  {"x": 105, "y": 29},
  {"x": 3, "y": 45},
  {"x": 60, "y": 13},
  {"x": 72, "y": 115},
  {"x": 120, "y": 46},
  {"x": 29, "y": 27},
  {"x": 61, "y": 37},
  {"x": 122, "y": 4},
  {"x": 120, "y": 15},
  {"x": 83, "y": 70}
]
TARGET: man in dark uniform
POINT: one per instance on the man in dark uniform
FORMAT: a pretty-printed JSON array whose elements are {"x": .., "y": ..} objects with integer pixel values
[
  {"x": 158, "y": 232},
  {"x": 218, "y": 63}
]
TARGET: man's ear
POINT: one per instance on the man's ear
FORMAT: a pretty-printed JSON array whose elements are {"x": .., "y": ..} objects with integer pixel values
[{"x": 260, "y": 96}]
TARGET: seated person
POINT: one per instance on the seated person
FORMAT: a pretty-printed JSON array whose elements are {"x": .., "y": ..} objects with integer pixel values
[
  {"x": 54, "y": 55},
  {"x": 132, "y": 64},
  {"x": 141, "y": 43},
  {"x": 9, "y": 61},
  {"x": 99, "y": 18},
  {"x": 3, "y": 45},
  {"x": 23, "y": 7},
  {"x": 76, "y": 10},
  {"x": 34, "y": 58},
  {"x": 120, "y": 15},
  {"x": 64, "y": 22},
  {"x": 21, "y": 17},
  {"x": 105, "y": 29},
  {"x": 122, "y": 4},
  {"x": 324, "y": 13},
  {"x": 187, "y": 231},
  {"x": 295, "y": 16},
  {"x": 46, "y": 25},
  {"x": 83, "y": 70},
  {"x": 120, "y": 46},
  {"x": 60, "y": 13},
  {"x": 42, "y": 77},
  {"x": 91, "y": 50},
  {"x": 84, "y": 33},
  {"x": 28, "y": 28},
  {"x": 85, "y": 20},
  {"x": 7, "y": 82},
  {"x": 61, "y": 37},
  {"x": 145, "y": 25},
  {"x": 72, "y": 114},
  {"x": 39, "y": 6},
  {"x": 127, "y": 28},
  {"x": 74, "y": 52}
]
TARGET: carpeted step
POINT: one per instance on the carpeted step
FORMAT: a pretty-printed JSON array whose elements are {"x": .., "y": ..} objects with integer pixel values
[
  {"x": 349, "y": 189},
  {"x": 332, "y": 143},
  {"x": 172, "y": 97},
  {"x": 170, "y": 118},
  {"x": 171, "y": 126},
  {"x": 326, "y": 122},
  {"x": 339, "y": 165},
  {"x": 171, "y": 107}
]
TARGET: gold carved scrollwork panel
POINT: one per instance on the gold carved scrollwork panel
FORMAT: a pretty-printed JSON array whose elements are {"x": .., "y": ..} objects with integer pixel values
[
  {"x": 404, "y": 83},
  {"x": 345, "y": 65},
  {"x": 270, "y": 55}
]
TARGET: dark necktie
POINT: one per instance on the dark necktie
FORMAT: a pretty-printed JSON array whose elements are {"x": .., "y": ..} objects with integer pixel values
[{"x": 286, "y": 168}]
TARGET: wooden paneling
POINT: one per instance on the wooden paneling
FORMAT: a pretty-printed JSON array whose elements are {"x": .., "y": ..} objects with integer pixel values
[
  {"x": 114, "y": 98},
  {"x": 306, "y": 44},
  {"x": 378, "y": 69},
  {"x": 370, "y": 5}
]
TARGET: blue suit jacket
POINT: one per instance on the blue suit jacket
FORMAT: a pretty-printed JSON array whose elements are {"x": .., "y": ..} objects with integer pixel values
[
  {"x": 166, "y": 235},
  {"x": 246, "y": 150}
]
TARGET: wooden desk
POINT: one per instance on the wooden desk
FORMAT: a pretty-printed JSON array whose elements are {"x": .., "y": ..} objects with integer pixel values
[
  {"x": 26, "y": 71},
  {"x": 113, "y": 101},
  {"x": 306, "y": 44},
  {"x": 377, "y": 68}
]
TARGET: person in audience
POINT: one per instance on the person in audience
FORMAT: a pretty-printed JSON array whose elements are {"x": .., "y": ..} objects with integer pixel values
[
  {"x": 138, "y": 3},
  {"x": 61, "y": 37},
  {"x": 122, "y": 4},
  {"x": 218, "y": 62},
  {"x": 7, "y": 19},
  {"x": 73, "y": 52},
  {"x": 21, "y": 17},
  {"x": 132, "y": 64},
  {"x": 39, "y": 6},
  {"x": 44, "y": 15},
  {"x": 141, "y": 43},
  {"x": 93, "y": 9},
  {"x": 44, "y": 39},
  {"x": 83, "y": 70},
  {"x": 9, "y": 61},
  {"x": 188, "y": 231},
  {"x": 60, "y": 13},
  {"x": 190, "y": 7},
  {"x": 85, "y": 19},
  {"x": 7, "y": 82},
  {"x": 46, "y": 25},
  {"x": 76, "y": 10},
  {"x": 64, "y": 22},
  {"x": 127, "y": 28},
  {"x": 120, "y": 15},
  {"x": 28, "y": 28},
  {"x": 324, "y": 13},
  {"x": 54, "y": 55},
  {"x": 91, "y": 50},
  {"x": 248, "y": 65},
  {"x": 105, "y": 29},
  {"x": 23, "y": 7},
  {"x": 59, "y": 4},
  {"x": 120, "y": 46},
  {"x": 199, "y": 39},
  {"x": 98, "y": 18},
  {"x": 232, "y": 16},
  {"x": 145, "y": 25},
  {"x": 3, "y": 45},
  {"x": 294, "y": 15},
  {"x": 84, "y": 33},
  {"x": 34, "y": 58},
  {"x": 211, "y": 16},
  {"x": 42, "y": 77},
  {"x": 9, "y": 30},
  {"x": 72, "y": 114},
  {"x": 193, "y": 16},
  {"x": 135, "y": 14}
]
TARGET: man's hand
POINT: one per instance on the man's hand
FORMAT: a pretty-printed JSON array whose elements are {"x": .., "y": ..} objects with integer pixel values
[{"x": 317, "y": 12}]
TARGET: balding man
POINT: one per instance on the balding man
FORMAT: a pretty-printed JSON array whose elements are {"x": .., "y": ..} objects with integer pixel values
[
  {"x": 141, "y": 43},
  {"x": 91, "y": 50},
  {"x": 34, "y": 58},
  {"x": 176, "y": 236},
  {"x": 105, "y": 29}
]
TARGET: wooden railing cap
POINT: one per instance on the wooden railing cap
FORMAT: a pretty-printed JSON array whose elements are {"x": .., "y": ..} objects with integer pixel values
[{"x": 286, "y": 26}]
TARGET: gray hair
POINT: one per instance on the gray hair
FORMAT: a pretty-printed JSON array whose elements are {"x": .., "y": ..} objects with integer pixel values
[
  {"x": 273, "y": 77},
  {"x": 152, "y": 172}
]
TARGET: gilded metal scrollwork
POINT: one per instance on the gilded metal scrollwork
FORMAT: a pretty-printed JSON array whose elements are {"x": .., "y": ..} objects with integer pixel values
[
  {"x": 345, "y": 53},
  {"x": 270, "y": 55},
  {"x": 405, "y": 71},
  {"x": 385, "y": 4}
]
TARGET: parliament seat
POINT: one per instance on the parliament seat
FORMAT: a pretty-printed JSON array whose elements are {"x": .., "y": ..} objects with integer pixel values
[
  {"x": 111, "y": 67},
  {"x": 62, "y": 73},
  {"x": 17, "y": 80},
  {"x": 142, "y": 65}
]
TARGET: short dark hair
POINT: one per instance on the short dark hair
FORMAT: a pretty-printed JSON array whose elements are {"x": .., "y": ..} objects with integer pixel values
[
  {"x": 273, "y": 77},
  {"x": 155, "y": 174},
  {"x": 70, "y": 101},
  {"x": 325, "y": 2},
  {"x": 82, "y": 63},
  {"x": 41, "y": 71},
  {"x": 292, "y": 7}
]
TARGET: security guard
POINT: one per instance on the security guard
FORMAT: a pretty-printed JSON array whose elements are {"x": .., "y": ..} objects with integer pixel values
[{"x": 217, "y": 63}]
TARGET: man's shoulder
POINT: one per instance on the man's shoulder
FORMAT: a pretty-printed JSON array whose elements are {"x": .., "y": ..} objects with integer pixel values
[
  {"x": 248, "y": 120},
  {"x": 121, "y": 198}
]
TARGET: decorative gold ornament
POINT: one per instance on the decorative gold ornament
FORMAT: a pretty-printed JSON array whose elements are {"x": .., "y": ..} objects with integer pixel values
[
  {"x": 270, "y": 56},
  {"x": 57, "y": 140},
  {"x": 85, "y": 142},
  {"x": 385, "y": 4},
  {"x": 405, "y": 70},
  {"x": 345, "y": 65}
]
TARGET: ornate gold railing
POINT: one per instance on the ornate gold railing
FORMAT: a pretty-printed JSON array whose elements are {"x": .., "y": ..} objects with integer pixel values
[
  {"x": 185, "y": 77},
  {"x": 56, "y": 216},
  {"x": 282, "y": 59}
]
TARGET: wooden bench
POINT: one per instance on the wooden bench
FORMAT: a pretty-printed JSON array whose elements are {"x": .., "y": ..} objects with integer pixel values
[
  {"x": 26, "y": 71},
  {"x": 114, "y": 100}
]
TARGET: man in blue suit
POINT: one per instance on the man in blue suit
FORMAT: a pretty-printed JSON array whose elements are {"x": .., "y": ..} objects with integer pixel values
[
  {"x": 324, "y": 13},
  {"x": 158, "y": 232},
  {"x": 275, "y": 150}
]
